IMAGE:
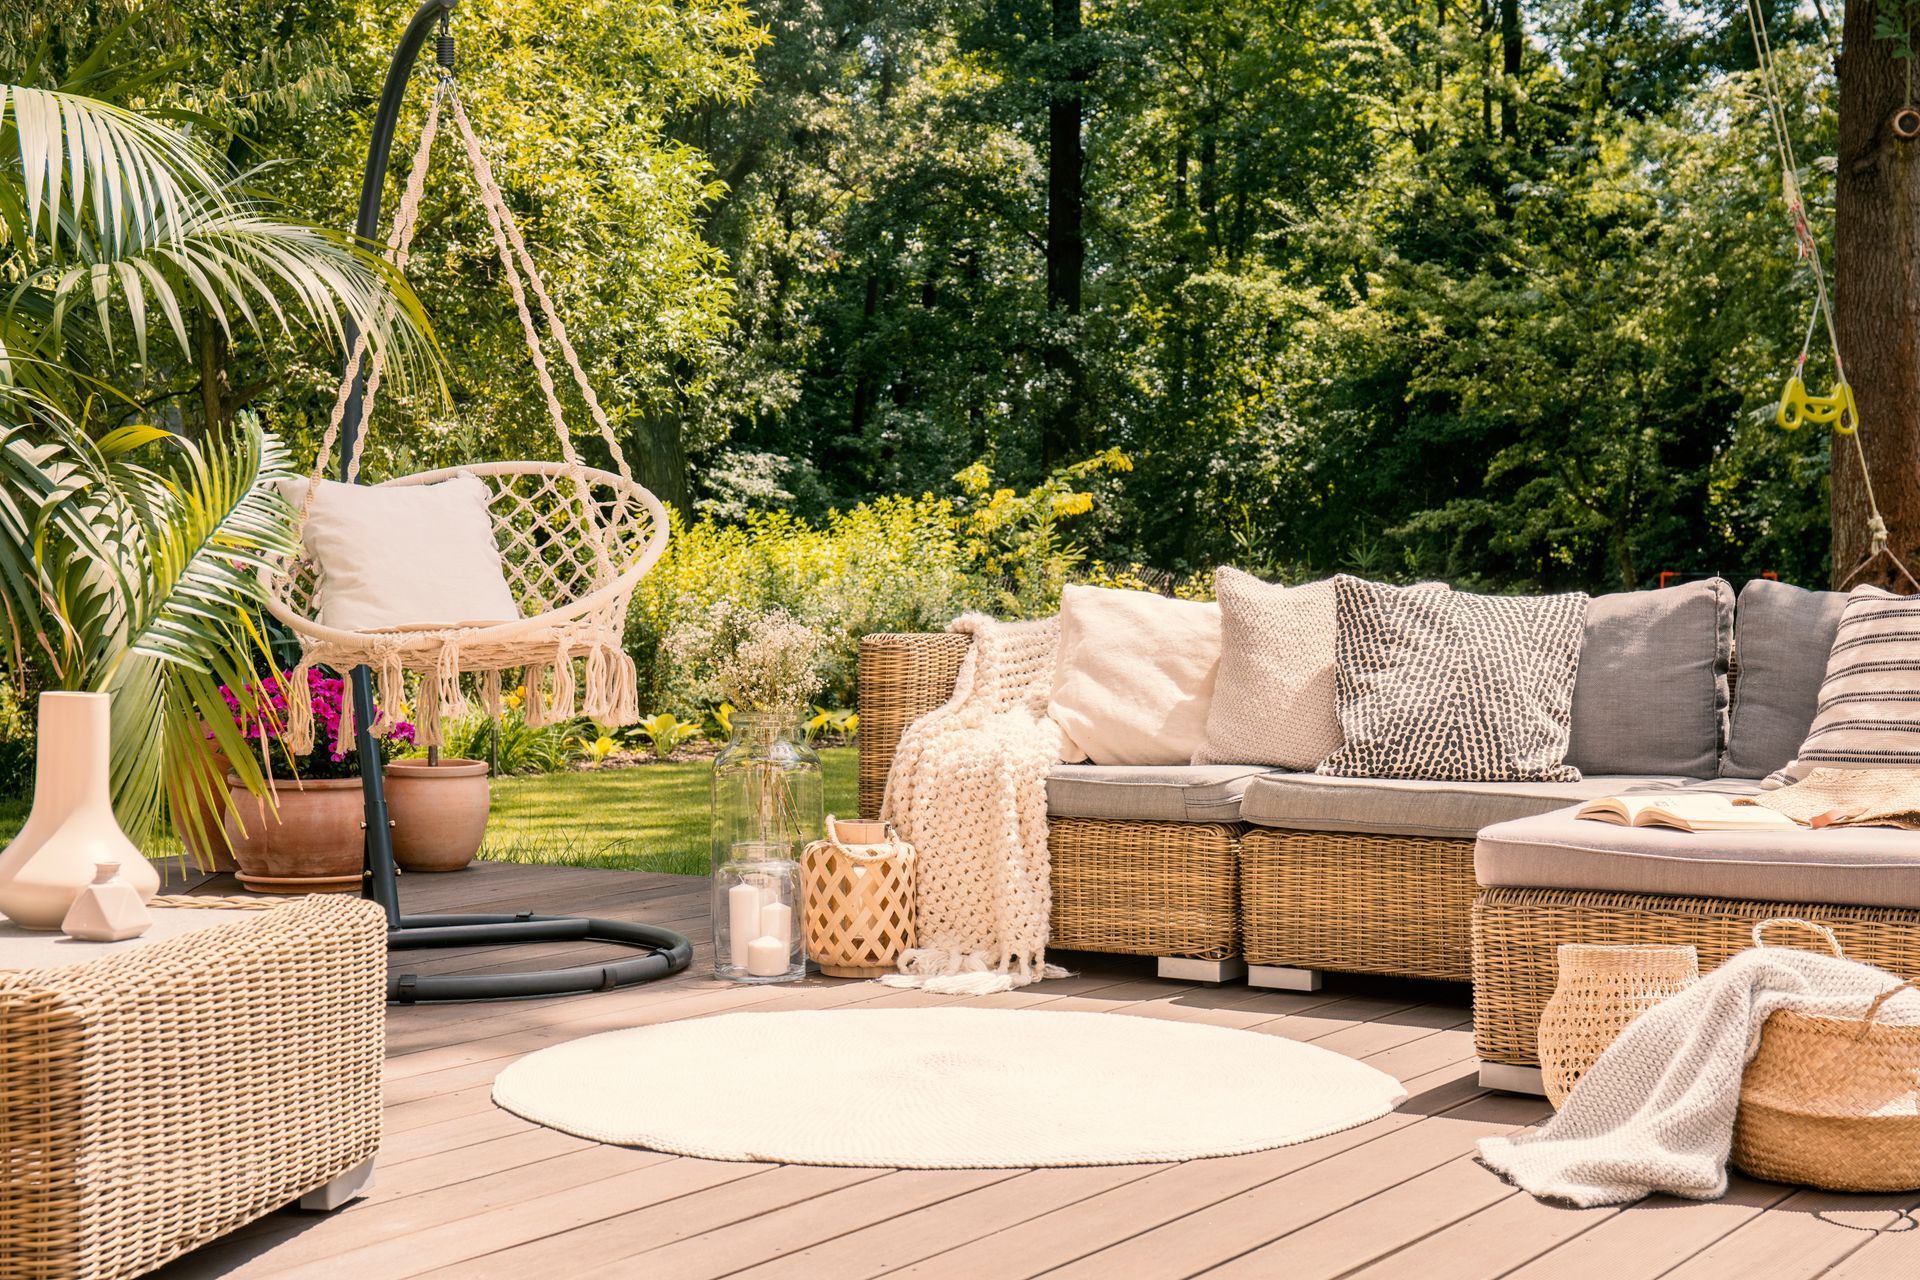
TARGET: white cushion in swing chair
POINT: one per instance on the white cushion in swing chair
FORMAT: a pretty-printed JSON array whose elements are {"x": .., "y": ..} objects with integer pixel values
[{"x": 407, "y": 558}]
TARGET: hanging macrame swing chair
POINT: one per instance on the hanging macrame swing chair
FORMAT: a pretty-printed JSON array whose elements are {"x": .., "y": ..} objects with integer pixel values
[{"x": 574, "y": 541}]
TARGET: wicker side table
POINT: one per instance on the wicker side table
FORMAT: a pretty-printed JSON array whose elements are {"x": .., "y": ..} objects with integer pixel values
[{"x": 158, "y": 1097}]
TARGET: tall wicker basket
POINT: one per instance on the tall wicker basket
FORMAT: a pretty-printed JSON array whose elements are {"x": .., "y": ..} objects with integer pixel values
[
  {"x": 1832, "y": 1102},
  {"x": 857, "y": 897},
  {"x": 1601, "y": 990}
]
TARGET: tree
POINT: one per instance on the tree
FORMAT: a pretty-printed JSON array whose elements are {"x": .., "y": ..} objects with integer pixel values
[
  {"x": 1877, "y": 288},
  {"x": 1064, "y": 438}
]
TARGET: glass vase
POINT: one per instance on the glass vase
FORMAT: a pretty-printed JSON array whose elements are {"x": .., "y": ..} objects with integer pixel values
[{"x": 768, "y": 805}]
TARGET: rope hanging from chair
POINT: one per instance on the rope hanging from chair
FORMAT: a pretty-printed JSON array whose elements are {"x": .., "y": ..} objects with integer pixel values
[
  {"x": 521, "y": 275},
  {"x": 1839, "y": 409},
  {"x": 585, "y": 626}
]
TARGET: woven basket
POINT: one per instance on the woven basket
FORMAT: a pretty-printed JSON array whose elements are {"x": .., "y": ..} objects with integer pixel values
[
  {"x": 1832, "y": 1103},
  {"x": 858, "y": 902},
  {"x": 1601, "y": 990}
]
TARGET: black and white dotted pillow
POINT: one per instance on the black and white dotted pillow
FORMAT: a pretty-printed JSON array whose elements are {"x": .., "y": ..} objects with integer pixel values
[{"x": 1454, "y": 687}]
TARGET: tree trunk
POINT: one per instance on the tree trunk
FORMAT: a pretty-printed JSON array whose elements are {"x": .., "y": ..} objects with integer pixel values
[
  {"x": 1064, "y": 439},
  {"x": 658, "y": 455},
  {"x": 1876, "y": 304}
]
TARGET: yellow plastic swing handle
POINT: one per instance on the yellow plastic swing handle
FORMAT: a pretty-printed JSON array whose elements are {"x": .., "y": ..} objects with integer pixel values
[{"x": 1836, "y": 409}]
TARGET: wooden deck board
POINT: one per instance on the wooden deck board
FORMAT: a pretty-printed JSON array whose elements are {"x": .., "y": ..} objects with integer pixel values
[{"x": 467, "y": 1191}]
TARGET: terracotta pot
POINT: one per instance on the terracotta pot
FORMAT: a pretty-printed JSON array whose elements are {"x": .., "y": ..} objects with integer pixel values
[
  {"x": 314, "y": 845},
  {"x": 439, "y": 812}
]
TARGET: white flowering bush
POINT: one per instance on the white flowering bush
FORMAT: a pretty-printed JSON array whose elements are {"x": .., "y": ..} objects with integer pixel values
[{"x": 754, "y": 659}]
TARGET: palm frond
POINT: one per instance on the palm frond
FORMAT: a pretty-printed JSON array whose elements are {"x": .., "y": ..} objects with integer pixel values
[
  {"x": 116, "y": 216},
  {"x": 105, "y": 176}
]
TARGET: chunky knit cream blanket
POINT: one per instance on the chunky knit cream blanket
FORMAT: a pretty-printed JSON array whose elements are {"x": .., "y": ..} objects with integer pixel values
[
  {"x": 968, "y": 788},
  {"x": 1656, "y": 1112}
]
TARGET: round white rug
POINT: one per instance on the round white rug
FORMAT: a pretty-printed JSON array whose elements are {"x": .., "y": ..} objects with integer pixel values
[{"x": 944, "y": 1088}]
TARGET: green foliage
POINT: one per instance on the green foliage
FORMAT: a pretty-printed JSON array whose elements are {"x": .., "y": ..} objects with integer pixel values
[
  {"x": 837, "y": 722},
  {"x": 891, "y": 564},
  {"x": 666, "y": 733},
  {"x": 518, "y": 748},
  {"x": 1357, "y": 295}
]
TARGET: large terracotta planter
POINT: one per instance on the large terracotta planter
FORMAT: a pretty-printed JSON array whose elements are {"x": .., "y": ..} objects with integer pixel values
[
  {"x": 439, "y": 812},
  {"x": 315, "y": 844}
]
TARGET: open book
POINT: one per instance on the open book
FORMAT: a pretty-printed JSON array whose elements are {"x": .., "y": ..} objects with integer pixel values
[{"x": 1687, "y": 812}]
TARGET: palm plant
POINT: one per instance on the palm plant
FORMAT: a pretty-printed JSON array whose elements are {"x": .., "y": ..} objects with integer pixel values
[{"x": 130, "y": 555}]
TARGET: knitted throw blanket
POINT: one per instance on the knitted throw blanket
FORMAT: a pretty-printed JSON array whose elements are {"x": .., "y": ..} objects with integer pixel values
[
  {"x": 968, "y": 788},
  {"x": 1656, "y": 1112}
]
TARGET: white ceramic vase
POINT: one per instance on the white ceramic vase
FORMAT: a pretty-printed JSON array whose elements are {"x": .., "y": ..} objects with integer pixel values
[{"x": 71, "y": 829}]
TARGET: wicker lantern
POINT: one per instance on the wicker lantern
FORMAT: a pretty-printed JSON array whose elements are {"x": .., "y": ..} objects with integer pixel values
[{"x": 858, "y": 894}]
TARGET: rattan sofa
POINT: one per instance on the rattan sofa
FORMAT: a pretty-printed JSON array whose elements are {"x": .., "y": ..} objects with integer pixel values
[
  {"x": 1219, "y": 871},
  {"x": 155, "y": 1099}
]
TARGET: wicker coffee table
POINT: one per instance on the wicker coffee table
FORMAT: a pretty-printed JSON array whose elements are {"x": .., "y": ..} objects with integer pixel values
[{"x": 157, "y": 1097}]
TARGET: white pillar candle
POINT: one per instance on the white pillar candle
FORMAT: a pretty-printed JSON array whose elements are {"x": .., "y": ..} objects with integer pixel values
[
  {"x": 743, "y": 921},
  {"x": 776, "y": 921},
  {"x": 767, "y": 957}
]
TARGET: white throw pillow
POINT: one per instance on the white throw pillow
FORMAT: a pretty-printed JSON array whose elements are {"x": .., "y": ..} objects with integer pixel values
[
  {"x": 1133, "y": 675},
  {"x": 404, "y": 558},
  {"x": 1274, "y": 701}
]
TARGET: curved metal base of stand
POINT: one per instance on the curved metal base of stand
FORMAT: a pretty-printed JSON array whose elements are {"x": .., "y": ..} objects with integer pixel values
[{"x": 667, "y": 953}]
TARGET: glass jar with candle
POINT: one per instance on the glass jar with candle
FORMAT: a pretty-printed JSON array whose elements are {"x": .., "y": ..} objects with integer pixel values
[
  {"x": 756, "y": 915},
  {"x": 768, "y": 805}
]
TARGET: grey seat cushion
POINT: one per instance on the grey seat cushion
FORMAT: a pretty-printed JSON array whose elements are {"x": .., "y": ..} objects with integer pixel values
[
  {"x": 1401, "y": 806},
  {"x": 1782, "y": 635},
  {"x": 1651, "y": 695},
  {"x": 1149, "y": 792},
  {"x": 1868, "y": 866}
]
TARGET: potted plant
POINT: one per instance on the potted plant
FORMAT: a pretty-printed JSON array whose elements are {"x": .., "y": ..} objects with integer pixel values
[
  {"x": 439, "y": 810},
  {"x": 310, "y": 839}
]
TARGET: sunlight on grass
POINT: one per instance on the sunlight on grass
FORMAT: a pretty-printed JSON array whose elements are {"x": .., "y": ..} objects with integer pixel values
[{"x": 647, "y": 819}]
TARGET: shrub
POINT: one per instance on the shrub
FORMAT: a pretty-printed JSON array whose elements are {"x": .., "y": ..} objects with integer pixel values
[{"x": 890, "y": 564}]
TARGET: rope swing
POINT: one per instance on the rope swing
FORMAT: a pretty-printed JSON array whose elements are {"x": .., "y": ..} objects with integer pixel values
[
  {"x": 574, "y": 540},
  {"x": 1837, "y": 409}
]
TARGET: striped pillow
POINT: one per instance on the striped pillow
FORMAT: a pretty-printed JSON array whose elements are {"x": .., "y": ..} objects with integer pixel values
[{"x": 1869, "y": 710}]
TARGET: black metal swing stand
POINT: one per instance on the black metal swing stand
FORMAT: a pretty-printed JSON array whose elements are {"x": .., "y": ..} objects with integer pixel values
[{"x": 665, "y": 952}]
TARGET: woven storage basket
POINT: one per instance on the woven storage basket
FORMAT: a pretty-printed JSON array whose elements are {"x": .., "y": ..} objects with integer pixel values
[
  {"x": 1601, "y": 990},
  {"x": 857, "y": 903},
  {"x": 1832, "y": 1102}
]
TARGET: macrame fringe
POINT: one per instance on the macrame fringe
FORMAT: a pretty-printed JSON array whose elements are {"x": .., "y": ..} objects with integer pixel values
[
  {"x": 490, "y": 694},
  {"x": 299, "y": 726},
  {"x": 563, "y": 684},
  {"x": 612, "y": 692},
  {"x": 391, "y": 695},
  {"x": 534, "y": 707}
]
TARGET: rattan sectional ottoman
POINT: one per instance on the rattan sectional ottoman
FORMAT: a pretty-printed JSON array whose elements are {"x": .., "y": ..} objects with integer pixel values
[{"x": 154, "y": 1099}]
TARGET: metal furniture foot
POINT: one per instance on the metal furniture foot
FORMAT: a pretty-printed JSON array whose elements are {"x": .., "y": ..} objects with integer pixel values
[
  {"x": 350, "y": 1185},
  {"x": 1280, "y": 978},
  {"x": 1507, "y": 1078},
  {"x": 1188, "y": 969}
]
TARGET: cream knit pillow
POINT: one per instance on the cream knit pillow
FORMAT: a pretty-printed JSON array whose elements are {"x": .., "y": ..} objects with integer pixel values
[
  {"x": 1273, "y": 703},
  {"x": 1133, "y": 675},
  {"x": 408, "y": 557}
]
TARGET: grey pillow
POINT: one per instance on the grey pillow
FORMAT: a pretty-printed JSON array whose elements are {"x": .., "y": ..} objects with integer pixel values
[
  {"x": 1453, "y": 687},
  {"x": 1652, "y": 694},
  {"x": 1782, "y": 636}
]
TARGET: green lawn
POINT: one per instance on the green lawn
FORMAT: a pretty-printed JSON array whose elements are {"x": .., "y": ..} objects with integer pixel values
[{"x": 652, "y": 818}]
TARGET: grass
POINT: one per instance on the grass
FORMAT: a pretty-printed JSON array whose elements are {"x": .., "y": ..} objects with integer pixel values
[
  {"x": 652, "y": 818},
  {"x": 647, "y": 819}
]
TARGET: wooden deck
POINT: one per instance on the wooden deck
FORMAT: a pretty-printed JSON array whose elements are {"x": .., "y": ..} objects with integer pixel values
[{"x": 468, "y": 1191}]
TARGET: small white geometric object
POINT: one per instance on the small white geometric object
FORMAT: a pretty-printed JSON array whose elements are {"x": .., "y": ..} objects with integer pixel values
[{"x": 108, "y": 910}]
